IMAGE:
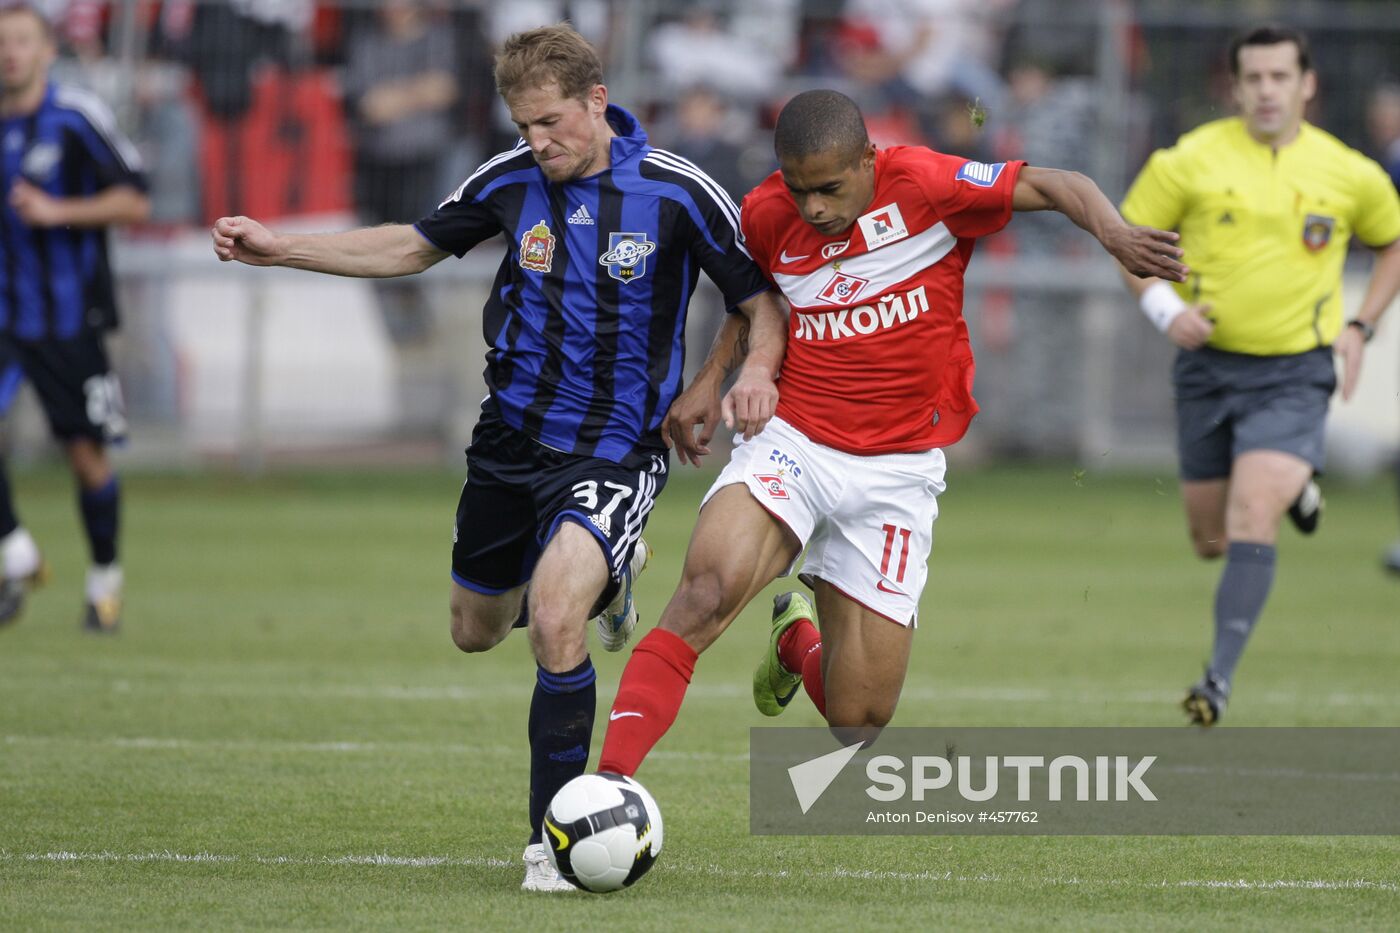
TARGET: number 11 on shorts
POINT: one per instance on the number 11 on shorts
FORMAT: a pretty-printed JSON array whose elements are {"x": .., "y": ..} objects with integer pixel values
[{"x": 891, "y": 532}]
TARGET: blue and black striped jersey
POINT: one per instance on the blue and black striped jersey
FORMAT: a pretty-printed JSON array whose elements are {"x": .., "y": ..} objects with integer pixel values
[
  {"x": 55, "y": 282},
  {"x": 586, "y": 319}
]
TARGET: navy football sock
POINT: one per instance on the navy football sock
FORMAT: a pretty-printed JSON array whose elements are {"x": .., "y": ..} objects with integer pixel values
[
  {"x": 1244, "y": 587},
  {"x": 8, "y": 520},
  {"x": 100, "y": 509},
  {"x": 561, "y": 728}
]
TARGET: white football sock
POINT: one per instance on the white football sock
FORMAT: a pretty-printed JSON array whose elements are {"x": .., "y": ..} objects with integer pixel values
[
  {"x": 104, "y": 581},
  {"x": 19, "y": 554}
]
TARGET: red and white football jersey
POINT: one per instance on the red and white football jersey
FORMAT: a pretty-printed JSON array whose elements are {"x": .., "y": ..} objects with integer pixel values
[{"x": 878, "y": 358}]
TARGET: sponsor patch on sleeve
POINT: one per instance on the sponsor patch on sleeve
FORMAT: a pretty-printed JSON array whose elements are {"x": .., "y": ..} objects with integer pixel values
[{"x": 980, "y": 173}]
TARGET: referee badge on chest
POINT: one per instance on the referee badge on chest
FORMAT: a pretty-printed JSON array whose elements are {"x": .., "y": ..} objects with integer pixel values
[
  {"x": 537, "y": 248},
  {"x": 1317, "y": 231}
]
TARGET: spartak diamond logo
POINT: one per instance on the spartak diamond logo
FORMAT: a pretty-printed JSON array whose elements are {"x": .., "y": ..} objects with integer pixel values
[
  {"x": 843, "y": 289},
  {"x": 772, "y": 484}
]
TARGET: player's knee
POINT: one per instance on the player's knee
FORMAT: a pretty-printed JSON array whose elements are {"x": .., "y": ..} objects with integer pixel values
[
  {"x": 89, "y": 463},
  {"x": 1208, "y": 545},
  {"x": 558, "y": 634},
  {"x": 702, "y": 596},
  {"x": 471, "y": 635},
  {"x": 865, "y": 733},
  {"x": 858, "y": 722},
  {"x": 699, "y": 608},
  {"x": 550, "y": 618},
  {"x": 1209, "y": 549}
]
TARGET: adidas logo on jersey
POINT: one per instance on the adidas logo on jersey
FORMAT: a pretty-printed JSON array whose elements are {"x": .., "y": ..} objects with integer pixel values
[
  {"x": 581, "y": 216},
  {"x": 600, "y": 521}
]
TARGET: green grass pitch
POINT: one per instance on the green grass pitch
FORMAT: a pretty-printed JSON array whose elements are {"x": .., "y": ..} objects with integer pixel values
[{"x": 284, "y": 736}]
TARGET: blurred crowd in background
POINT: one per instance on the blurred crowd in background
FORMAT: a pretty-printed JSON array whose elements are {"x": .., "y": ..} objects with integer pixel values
[{"x": 284, "y": 108}]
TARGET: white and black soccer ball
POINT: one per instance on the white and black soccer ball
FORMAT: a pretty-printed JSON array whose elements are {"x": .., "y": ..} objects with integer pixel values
[{"x": 602, "y": 831}]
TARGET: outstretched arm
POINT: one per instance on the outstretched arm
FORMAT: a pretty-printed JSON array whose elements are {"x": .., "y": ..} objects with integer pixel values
[
  {"x": 369, "y": 252},
  {"x": 1143, "y": 251},
  {"x": 751, "y": 343}
]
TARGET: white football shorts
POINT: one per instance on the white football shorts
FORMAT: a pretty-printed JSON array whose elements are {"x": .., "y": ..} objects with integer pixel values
[{"x": 865, "y": 522}]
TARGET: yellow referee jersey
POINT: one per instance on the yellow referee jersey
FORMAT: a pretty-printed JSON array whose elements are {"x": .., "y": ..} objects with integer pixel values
[{"x": 1265, "y": 231}]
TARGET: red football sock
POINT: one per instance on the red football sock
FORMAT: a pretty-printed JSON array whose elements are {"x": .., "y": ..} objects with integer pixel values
[
  {"x": 800, "y": 649},
  {"x": 648, "y": 699},
  {"x": 812, "y": 678}
]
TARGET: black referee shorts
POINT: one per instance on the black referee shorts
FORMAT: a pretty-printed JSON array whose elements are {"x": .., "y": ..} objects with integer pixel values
[
  {"x": 1228, "y": 404},
  {"x": 518, "y": 492}
]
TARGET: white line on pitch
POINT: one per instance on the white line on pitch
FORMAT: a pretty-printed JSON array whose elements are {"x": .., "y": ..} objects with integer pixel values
[
  {"x": 700, "y": 691},
  {"x": 393, "y": 861},
  {"x": 435, "y": 861},
  {"x": 151, "y": 743}
]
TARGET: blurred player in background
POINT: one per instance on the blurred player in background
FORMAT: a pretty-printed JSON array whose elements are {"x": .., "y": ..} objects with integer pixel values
[
  {"x": 68, "y": 175},
  {"x": 606, "y": 238},
  {"x": 1265, "y": 204},
  {"x": 869, "y": 247}
]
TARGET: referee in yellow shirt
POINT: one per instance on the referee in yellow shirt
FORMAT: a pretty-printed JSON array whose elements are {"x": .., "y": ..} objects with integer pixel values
[{"x": 1265, "y": 204}]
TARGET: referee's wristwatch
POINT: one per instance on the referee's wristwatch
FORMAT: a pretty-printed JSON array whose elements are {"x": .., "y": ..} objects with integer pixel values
[{"x": 1367, "y": 331}]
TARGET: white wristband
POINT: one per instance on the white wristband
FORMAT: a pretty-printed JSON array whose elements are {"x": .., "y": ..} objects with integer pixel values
[{"x": 1161, "y": 304}]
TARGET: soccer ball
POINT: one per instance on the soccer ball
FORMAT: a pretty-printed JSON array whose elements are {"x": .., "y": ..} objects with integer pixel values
[{"x": 602, "y": 831}]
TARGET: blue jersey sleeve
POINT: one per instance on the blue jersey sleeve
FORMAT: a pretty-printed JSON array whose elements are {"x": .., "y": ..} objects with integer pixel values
[
  {"x": 459, "y": 223},
  {"x": 468, "y": 216}
]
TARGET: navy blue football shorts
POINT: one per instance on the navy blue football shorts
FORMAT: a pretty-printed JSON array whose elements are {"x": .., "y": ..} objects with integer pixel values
[
  {"x": 518, "y": 492},
  {"x": 1231, "y": 403},
  {"x": 80, "y": 394}
]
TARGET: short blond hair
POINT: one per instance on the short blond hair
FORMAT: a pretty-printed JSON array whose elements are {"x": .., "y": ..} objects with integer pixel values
[{"x": 549, "y": 55}]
